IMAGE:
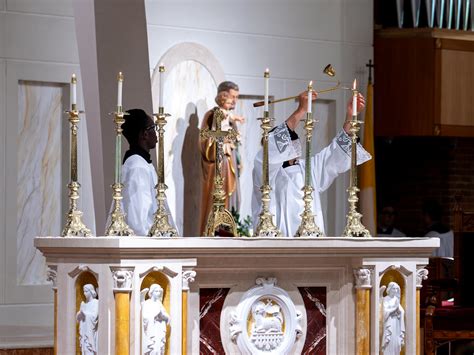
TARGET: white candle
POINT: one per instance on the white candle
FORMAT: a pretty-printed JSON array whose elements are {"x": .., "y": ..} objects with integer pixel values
[
  {"x": 354, "y": 98},
  {"x": 73, "y": 90},
  {"x": 266, "y": 75},
  {"x": 119, "y": 92},
  {"x": 161, "y": 70},
  {"x": 310, "y": 97}
]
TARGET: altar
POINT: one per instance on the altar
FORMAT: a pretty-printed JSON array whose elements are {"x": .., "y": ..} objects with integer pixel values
[{"x": 238, "y": 295}]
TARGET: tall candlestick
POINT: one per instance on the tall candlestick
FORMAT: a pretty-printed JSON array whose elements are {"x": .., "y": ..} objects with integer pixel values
[
  {"x": 354, "y": 98},
  {"x": 161, "y": 70},
  {"x": 266, "y": 75},
  {"x": 310, "y": 97},
  {"x": 119, "y": 92},
  {"x": 73, "y": 91}
]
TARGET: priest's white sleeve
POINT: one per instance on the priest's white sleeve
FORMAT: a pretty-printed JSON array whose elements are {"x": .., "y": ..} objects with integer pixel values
[{"x": 334, "y": 160}]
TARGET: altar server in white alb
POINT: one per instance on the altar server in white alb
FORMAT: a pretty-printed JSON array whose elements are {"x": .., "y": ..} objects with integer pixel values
[
  {"x": 286, "y": 169},
  {"x": 138, "y": 173}
]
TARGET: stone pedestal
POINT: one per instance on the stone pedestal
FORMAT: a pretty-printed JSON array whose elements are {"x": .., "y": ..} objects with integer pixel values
[{"x": 238, "y": 295}]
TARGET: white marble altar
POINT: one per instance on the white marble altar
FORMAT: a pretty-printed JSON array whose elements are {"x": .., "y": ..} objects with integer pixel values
[{"x": 251, "y": 277}]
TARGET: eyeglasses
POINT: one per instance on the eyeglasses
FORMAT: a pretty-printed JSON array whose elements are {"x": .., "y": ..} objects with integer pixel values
[{"x": 151, "y": 127}]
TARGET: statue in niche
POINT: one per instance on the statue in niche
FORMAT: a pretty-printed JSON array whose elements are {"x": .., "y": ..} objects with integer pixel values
[
  {"x": 88, "y": 319},
  {"x": 393, "y": 321},
  {"x": 154, "y": 321}
]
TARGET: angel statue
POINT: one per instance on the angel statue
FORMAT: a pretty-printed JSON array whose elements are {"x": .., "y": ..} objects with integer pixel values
[
  {"x": 154, "y": 321},
  {"x": 88, "y": 319},
  {"x": 393, "y": 320}
]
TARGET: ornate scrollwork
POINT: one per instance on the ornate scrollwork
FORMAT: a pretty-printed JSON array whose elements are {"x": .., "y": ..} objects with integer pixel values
[
  {"x": 188, "y": 277},
  {"x": 421, "y": 274},
  {"x": 122, "y": 278},
  {"x": 363, "y": 278}
]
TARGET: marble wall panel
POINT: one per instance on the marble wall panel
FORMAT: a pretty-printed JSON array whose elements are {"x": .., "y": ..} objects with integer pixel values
[
  {"x": 211, "y": 301},
  {"x": 38, "y": 38},
  {"x": 189, "y": 91},
  {"x": 315, "y": 303},
  {"x": 48, "y": 7},
  {"x": 312, "y": 20},
  {"x": 39, "y": 178}
]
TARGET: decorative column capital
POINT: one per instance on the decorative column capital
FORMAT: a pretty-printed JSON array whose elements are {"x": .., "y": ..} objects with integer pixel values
[
  {"x": 363, "y": 278},
  {"x": 51, "y": 275},
  {"x": 123, "y": 277},
  {"x": 188, "y": 277},
  {"x": 421, "y": 274}
]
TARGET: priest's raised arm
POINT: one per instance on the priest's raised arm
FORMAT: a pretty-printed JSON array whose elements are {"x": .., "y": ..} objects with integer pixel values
[{"x": 286, "y": 170}]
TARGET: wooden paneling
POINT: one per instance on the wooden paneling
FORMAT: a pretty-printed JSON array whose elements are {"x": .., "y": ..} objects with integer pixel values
[
  {"x": 457, "y": 94},
  {"x": 424, "y": 81},
  {"x": 404, "y": 86}
]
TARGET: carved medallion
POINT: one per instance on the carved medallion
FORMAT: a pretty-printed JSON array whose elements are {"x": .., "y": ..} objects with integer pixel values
[{"x": 266, "y": 320}]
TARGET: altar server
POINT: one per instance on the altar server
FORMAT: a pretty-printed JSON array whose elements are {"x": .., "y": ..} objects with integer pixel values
[
  {"x": 287, "y": 168},
  {"x": 138, "y": 173}
]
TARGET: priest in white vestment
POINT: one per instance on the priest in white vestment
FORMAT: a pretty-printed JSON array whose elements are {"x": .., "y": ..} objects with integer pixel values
[
  {"x": 138, "y": 173},
  {"x": 287, "y": 168}
]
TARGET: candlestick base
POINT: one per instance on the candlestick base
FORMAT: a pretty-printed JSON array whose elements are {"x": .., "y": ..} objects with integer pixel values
[
  {"x": 161, "y": 227},
  {"x": 308, "y": 227},
  {"x": 220, "y": 218},
  {"x": 74, "y": 226},
  {"x": 265, "y": 227},
  {"x": 118, "y": 227},
  {"x": 354, "y": 226}
]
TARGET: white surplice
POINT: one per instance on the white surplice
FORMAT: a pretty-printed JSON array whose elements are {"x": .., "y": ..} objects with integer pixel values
[
  {"x": 139, "y": 202},
  {"x": 286, "y": 203}
]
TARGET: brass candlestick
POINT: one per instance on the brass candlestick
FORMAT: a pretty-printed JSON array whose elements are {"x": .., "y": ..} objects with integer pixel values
[
  {"x": 265, "y": 226},
  {"x": 354, "y": 226},
  {"x": 219, "y": 216},
  {"x": 161, "y": 226},
  {"x": 74, "y": 226},
  {"x": 308, "y": 227},
  {"x": 117, "y": 226}
]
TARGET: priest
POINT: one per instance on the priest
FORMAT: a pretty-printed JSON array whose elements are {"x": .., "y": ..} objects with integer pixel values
[{"x": 287, "y": 169}]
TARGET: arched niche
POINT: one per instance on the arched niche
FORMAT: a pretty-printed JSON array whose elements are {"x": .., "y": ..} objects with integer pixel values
[
  {"x": 157, "y": 277},
  {"x": 84, "y": 278},
  {"x": 189, "y": 88}
]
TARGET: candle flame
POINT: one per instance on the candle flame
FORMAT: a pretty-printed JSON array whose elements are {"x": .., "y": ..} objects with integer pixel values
[
  {"x": 267, "y": 73},
  {"x": 120, "y": 76},
  {"x": 73, "y": 79},
  {"x": 354, "y": 84}
]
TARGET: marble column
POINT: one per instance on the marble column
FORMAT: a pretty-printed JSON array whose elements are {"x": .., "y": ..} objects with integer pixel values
[
  {"x": 188, "y": 276},
  {"x": 363, "y": 285},
  {"x": 421, "y": 274},
  {"x": 122, "y": 277},
  {"x": 52, "y": 277}
]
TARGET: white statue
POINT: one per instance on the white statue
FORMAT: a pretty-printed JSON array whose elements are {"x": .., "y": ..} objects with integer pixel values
[
  {"x": 393, "y": 336},
  {"x": 154, "y": 321},
  {"x": 88, "y": 319}
]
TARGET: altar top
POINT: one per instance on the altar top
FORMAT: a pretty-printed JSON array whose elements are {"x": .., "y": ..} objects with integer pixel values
[{"x": 191, "y": 247}]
